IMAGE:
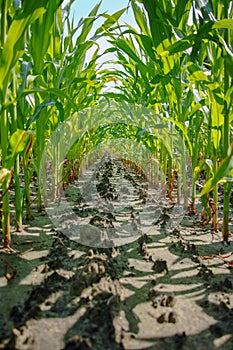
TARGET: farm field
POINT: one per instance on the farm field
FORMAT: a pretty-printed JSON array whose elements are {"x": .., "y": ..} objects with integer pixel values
[{"x": 116, "y": 172}]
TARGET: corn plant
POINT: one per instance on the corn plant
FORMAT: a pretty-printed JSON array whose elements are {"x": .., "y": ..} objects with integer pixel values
[{"x": 14, "y": 23}]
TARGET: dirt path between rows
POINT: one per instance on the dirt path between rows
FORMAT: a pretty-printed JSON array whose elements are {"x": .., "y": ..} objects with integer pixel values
[
  {"x": 165, "y": 290},
  {"x": 159, "y": 292}
]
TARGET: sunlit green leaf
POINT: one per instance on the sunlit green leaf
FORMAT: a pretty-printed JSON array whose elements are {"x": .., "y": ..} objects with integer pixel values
[
  {"x": 3, "y": 174},
  {"x": 225, "y": 166},
  {"x": 18, "y": 141},
  {"x": 14, "y": 43},
  {"x": 224, "y": 23},
  {"x": 111, "y": 19}
]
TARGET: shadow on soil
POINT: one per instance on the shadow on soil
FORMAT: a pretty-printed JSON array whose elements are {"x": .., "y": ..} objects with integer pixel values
[{"x": 155, "y": 293}]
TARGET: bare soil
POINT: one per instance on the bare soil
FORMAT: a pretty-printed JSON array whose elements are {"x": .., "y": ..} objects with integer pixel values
[{"x": 163, "y": 291}]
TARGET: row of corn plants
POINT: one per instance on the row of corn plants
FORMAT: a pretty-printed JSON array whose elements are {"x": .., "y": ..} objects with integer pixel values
[
  {"x": 177, "y": 62},
  {"x": 44, "y": 79}
]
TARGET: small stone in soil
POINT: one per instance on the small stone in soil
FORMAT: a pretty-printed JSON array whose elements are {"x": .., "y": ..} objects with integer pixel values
[
  {"x": 152, "y": 294},
  {"x": 168, "y": 300},
  {"x": 160, "y": 265},
  {"x": 167, "y": 317},
  {"x": 172, "y": 318},
  {"x": 162, "y": 318},
  {"x": 205, "y": 273},
  {"x": 228, "y": 283}
]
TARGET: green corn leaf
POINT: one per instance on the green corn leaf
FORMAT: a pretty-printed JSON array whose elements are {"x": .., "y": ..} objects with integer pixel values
[
  {"x": 140, "y": 18},
  {"x": 36, "y": 115},
  {"x": 196, "y": 73},
  {"x": 41, "y": 35},
  {"x": 202, "y": 33},
  {"x": 19, "y": 142},
  {"x": 210, "y": 165},
  {"x": 224, "y": 23},
  {"x": 87, "y": 25},
  {"x": 123, "y": 45},
  {"x": 217, "y": 118},
  {"x": 229, "y": 65},
  {"x": 117, "y": 96},
  {"x": 183, "y": 129},
  {"x": 181, "y": 45},
  {"x": 160, "y": 78},
  {"x": 148, "y": 46},
  {"x": 159, "y": 19},
  {"x": 224, "y": 168},
  {"x": 229, "y": 96},
  {"x": 111, "y": 19},
  {"x": 14, "y": 45},
  {"x": 180, "y": 10},
  {"x": 4, "y": 173},
  {"x": 53, "y": 91},
  {"x": 224, "y": 44}
]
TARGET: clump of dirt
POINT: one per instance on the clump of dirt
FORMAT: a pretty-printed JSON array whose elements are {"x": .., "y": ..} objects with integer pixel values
[{"x": 160, "y": 265}]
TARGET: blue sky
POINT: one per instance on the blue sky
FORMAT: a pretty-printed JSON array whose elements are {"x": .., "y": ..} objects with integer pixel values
[{"x": 82, "y": 8}]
